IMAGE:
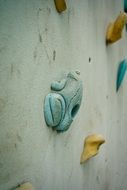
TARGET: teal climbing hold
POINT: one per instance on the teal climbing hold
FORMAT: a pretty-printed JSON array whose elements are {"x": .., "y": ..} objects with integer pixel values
[
  {"x": 63, "y": 102},
  {"x": 121, "y": 73}
]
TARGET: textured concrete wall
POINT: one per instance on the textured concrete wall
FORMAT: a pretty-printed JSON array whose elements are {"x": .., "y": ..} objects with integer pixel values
[{"x": 37, "y": 45}]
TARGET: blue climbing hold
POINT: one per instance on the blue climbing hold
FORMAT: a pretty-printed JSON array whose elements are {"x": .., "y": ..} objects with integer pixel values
[
  {"x": 125, "y": 6},
  {"x": 125, "y": 9},
  {"x": 63, "y": 102},
  {"x": 121, "y": 73}
]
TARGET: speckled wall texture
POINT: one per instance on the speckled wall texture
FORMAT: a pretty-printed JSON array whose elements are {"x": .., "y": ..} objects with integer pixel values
[{"x": 39, "y": 45}]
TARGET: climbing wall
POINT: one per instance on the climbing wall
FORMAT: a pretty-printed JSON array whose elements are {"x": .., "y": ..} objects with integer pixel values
[{"x": 39, "y": 45}]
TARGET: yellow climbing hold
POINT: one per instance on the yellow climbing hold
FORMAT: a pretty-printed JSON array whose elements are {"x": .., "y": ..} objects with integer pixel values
[
  {"x": 25, "y": 186},
  {"x": 91, "y": 146},
  {"x": 114, "y": 30},
  {"x": 60, "y": 5}
]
